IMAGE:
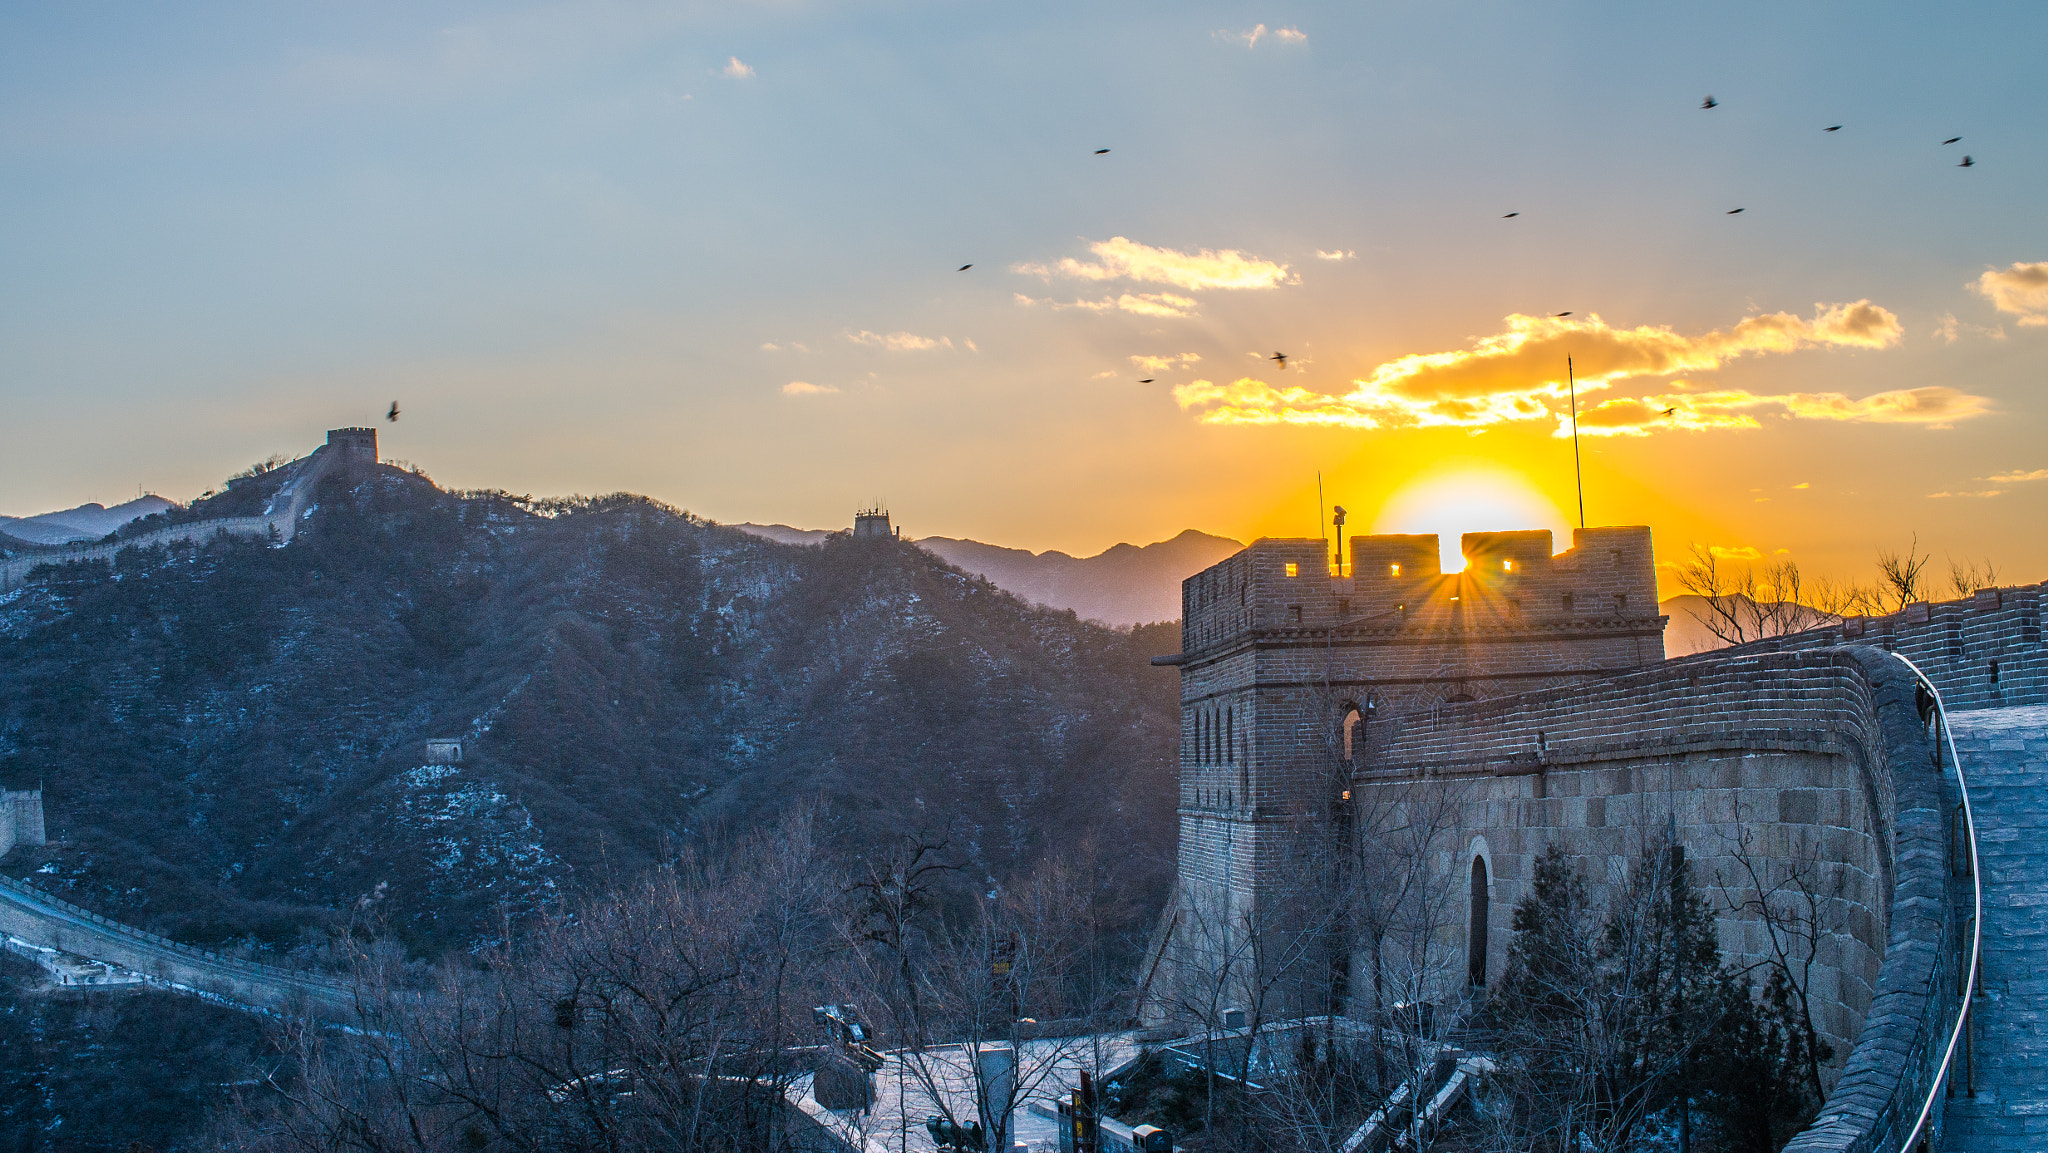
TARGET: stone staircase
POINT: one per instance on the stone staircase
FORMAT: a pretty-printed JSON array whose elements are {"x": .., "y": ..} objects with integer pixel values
[{"x": 2005, "y": 758}]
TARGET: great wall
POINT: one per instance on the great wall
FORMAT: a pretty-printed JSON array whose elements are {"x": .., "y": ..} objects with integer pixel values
[
  {"x": 1529, "y": 692},
  {"x": 1525, "y": 701}
]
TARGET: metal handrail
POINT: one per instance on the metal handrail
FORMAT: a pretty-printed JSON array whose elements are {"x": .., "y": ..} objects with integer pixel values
[{"x": 1955, "y": 1036}]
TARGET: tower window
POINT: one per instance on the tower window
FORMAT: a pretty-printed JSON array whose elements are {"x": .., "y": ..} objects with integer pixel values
[
  {"x": 1620, "y": 601},
  {"x": 1293, "y": 570},
  {"x": 1393, "y": 570},
  {"x": 1507, "y": 566},
  {"x": 1295, "y": 612},
  {"x": 1567, "y": 602}
]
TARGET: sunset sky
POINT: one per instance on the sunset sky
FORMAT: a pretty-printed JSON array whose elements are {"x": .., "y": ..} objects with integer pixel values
[{"x": 707, "y": 252}]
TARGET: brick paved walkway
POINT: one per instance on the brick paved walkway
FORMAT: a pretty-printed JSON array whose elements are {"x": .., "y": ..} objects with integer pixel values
[{"x": 2005, "y": 755}]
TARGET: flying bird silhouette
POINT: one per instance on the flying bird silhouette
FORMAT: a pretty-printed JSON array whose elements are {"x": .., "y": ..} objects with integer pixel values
[
  {"x": 393, "y": 414},
  {"x": 1733, "y": 211},
  {"x": 1671, "y": 412},
  {"x": 1511, "y": 216},
  {"x": 1834, "y": 128},
  {"x": 1280, "y": 358},
  {"x": 1555, "y": 315},
  {"x": 1952, "y": 140},
  {"x": 1709, "y": 102},
  {"x": 1102, "y": 152},
  {"x": 1967, "y": 162},
  {"x": 963, "y": 268},
  {"x": 1147, "y": 380}
]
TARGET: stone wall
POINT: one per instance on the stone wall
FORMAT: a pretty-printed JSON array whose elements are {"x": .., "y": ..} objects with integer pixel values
[
  {"x": 1983, "y": 652},
  {"x": 1786, "y": 748},
  {"x": 40, "y": 919}
]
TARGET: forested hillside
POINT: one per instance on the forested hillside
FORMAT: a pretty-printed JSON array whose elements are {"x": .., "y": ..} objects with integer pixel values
[{"x": 231, "y": 737}]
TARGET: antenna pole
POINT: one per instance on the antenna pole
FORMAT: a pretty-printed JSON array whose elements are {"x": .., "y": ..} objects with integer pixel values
[
  {"x": 1578, "y": 475},
  {"x": 1322, "y": 530}
]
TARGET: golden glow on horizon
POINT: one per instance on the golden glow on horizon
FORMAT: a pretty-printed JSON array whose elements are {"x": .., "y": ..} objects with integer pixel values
[{"x": 1470, "y": 498}]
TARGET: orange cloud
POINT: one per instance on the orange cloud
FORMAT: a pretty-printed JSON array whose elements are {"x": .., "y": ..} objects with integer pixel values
[
  {"x": 1513, "y": 376},
  {"x": 2018, "y": 477},
  {"x": 806, "y": 388},
  {"x": 1141, "y": 303},
  {"x": 2021, "y": 290},
  {"x": 898, "y": 341},
  {"x": 1119, "y": 258}
]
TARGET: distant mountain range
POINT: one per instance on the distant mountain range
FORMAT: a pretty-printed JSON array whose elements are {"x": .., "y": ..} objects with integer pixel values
[
  {"x": 1123, "y": 585},
  {"x": 86, "y": 522}
]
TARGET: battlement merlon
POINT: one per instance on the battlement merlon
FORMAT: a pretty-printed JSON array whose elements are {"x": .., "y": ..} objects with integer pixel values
[{"x": 1511, "y": 583}]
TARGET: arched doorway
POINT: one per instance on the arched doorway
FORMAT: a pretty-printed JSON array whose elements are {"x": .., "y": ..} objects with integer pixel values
[{"x": 1475, "y": 941}]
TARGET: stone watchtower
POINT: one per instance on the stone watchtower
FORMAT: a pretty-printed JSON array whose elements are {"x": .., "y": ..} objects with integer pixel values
[
  {"x": 355, "y": 445},
  {"x": 872, "y": 523},
  {"x": 1284, "y": 664}
]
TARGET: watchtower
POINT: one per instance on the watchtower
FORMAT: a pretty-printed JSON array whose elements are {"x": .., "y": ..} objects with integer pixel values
[
  {"x": 353, "y": 444},
  {"x": 873, "y": 523},
  {"x": 1284, "y": 666}
]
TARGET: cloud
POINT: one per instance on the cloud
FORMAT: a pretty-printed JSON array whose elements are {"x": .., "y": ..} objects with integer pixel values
[
  {"x": 1124, "y": 259},
  {"x": 1736, "y": 552},
  {"x": 1945, "y": 495},
  {"x": 736, "y": 70},
  {"x": 1339, "y": 254},
  {"x": 2021, "y": 290},
  {"x": 1166, "y": 363},
  {"x": 1143, "y": 304},
  {"x": 1251, "y": 36},
  {"x": 1512, "y": 376},
  {"x": 1949, "y": 329},
  {"x": 806, "y": 388},
  {"x": 898, "y": 341},
  {"x": 2018, "y": 477}
]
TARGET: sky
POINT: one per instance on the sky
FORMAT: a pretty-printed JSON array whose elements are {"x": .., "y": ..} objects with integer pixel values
[{"x": 710, "y": 253}]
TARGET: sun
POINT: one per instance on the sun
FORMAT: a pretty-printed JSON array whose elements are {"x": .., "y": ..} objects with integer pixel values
[{"x": 1469, "y": 499}]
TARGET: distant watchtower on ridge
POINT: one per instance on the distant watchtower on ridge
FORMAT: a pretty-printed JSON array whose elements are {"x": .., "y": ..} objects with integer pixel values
[
  {"x": 873, "y": 522},
  {"x": 353, "y": 444}
]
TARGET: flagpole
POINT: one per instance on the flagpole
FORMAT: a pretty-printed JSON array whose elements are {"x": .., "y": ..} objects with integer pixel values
[{"x": 1578, "y": 475}]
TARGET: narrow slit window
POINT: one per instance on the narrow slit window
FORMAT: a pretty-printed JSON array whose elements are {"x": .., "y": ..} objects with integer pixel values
[
  {"x": 1293, "y": 570},
  {"x": 1393, "y": 570}
]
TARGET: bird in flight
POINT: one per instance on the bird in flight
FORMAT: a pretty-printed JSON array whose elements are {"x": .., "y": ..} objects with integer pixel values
[
  {"x": 1952, "y": 140},
  {"x": 1832, "y": 128},
  {"x": 1279, "y": 358},
  {"x": 1733, "y": 211},
  {"x": 1555, "y": 315},
  {"x": 1671, "y": 411},
  {"x": 1709, "y": 102},
  {"x": 1102, "y": 152},
  {"x": 963, "y": 268},
  {"x": 1967, "y": 162},
  {"x": 1511, "y": 216},
  {"x": 1147, "y": 380},
  {"x": 393, "y": 414}
]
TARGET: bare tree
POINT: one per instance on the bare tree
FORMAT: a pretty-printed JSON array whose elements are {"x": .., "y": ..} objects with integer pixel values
[
  {"x": 666, "y": 1016},
  {"x": 1965, "y": 578},
  {"x": 1900, "y": 580},
  {"x": 1023, "y": 978},
  {"x": 1790, "y": 897},
  {"x": 1747, "y": 604}
]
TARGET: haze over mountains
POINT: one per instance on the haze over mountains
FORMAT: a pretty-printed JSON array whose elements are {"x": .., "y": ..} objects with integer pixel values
[
  {"x": 86, "y": 522},
  {"x": 1122, "y": 585}
]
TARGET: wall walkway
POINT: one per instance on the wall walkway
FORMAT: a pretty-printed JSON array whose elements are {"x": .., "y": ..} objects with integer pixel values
[
  {"x": 40, "y": 919},
  {"x": 2005, "y": 756}
]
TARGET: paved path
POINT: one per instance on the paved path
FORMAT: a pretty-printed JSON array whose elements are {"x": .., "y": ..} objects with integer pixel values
[{"x": 2005, "y": 756}]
